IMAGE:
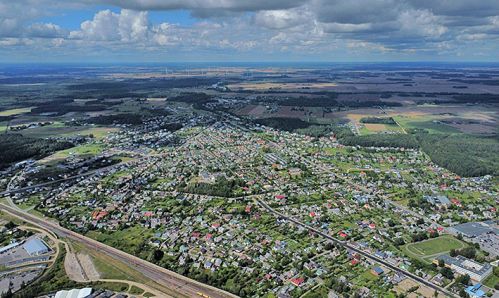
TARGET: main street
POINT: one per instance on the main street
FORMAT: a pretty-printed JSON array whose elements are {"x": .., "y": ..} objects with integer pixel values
[{"x": 177, "y": 283}]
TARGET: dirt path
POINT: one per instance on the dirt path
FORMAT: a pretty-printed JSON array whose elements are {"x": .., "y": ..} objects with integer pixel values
[{"x": 80, "y": 268}]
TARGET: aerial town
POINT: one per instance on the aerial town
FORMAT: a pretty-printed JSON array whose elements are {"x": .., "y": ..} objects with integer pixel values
[
  {"x": 245, "y": 207},
  {"x": 249, "y": 149}
]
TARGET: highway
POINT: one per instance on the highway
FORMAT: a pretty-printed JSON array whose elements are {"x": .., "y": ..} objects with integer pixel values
[
  {"x": 176, "y": 282},
  {"x": 361, "y": 252}
]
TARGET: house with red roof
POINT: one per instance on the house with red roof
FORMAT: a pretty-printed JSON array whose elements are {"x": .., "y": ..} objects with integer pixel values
[
  {"x": 297, "y": 281},
  {"x": 456, "y": 202},
  {"x": 97, "y": 215}
]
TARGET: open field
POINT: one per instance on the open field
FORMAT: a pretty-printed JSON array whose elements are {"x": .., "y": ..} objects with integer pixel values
[
  {"x": 369, "y": 128},
  {"x": 273, "y": 85},
  {"x": 83, "y": 150},
  {"x": 14, "y": 112},
  {"x": 57, "y": 130},
  {"x": 407, "y": 284},
  {"x": 431, "y": 247},
  {"x": 424, "y": 122}
]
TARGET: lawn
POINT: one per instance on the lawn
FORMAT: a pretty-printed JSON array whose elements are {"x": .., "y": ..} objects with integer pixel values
[
  {"x": 491, "y": 281},
  {"x": 433, "y": 247}
]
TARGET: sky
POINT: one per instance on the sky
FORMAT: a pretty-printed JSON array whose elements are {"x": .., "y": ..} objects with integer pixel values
[{"x": 112, "y": 31}]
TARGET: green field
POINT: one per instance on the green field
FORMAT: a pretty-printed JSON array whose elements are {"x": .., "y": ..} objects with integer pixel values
[
  {"x": 491, "y": 281},
  {"x": 432, "y": 247},
  {"x": 13, "y": 112},
  {"x": 367, "y": 129},
  {"x": 427, "y": 123},
  {"x": 60, "y": 130},
  {"x": 83, "y": 150}
]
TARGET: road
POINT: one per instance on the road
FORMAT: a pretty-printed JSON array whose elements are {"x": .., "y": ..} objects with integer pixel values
[
  {"x": 176, "y": 282},
  {"x": 27, "y": 188},
  {"x": 361, "y": 252}
]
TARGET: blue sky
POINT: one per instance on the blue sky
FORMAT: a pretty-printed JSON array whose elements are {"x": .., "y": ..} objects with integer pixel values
[
  {"x": 257, "y": 30},
  {"x": 72, "y": 19}
]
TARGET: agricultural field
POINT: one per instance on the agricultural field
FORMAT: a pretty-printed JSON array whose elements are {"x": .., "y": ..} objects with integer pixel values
[
  {"x": 286, "y": 86},
  {"x": 369, "y": 128},
  {"x": 13, "y": 112},
  {"x": 61, "y": 130}
]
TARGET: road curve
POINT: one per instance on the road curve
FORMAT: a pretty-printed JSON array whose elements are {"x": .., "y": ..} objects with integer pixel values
[
  {"x": 177, "y": 283},
  {"x": 361, "y": 252}
]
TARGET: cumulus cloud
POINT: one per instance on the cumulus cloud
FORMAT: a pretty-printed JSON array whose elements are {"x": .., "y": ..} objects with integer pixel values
[
  {"x": 46, "y": 30},
  {"x": 127, "y": 26},
  {"x": 421, "y": 23},
  {"x": 283, "y": 18},
  {"x": 233, "y": 5},
  {"x": 297, "y": 26}
]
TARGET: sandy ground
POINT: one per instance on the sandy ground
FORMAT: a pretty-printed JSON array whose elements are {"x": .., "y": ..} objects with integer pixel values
[
  {"x": 79, "y": 267},
  {"x": 73, "y": 268},
  {"x": 424, "y": 291},
  {"x": 88, "y": 266}
]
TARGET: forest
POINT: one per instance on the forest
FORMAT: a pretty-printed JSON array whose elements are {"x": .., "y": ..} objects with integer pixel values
[
  {"x": 222, "y": 187},
  {"x": 465, "y": 155},
  {"x": 16, "y": 147},
  {"x": 382, "y": 140},
  {"x": 378, "y": 120},
  {"x": 283, "y": 123}
]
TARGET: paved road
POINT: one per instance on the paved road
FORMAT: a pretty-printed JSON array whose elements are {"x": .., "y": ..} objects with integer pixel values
[
  {"x": 176, "y": 282},
  {"x": 23, "y": 189},
  {"x": 361, "y": 252}
]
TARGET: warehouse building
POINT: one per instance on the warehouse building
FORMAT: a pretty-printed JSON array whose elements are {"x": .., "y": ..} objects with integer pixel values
[
  {"x": 462, "y": 266},
  {"x": 35, "y": 247},
  {"x": 74, "y": 293}
]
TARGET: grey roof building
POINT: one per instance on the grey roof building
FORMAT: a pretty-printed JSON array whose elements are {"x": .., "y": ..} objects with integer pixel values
[
  {"x": 475, "y": 229},
  {"x": 463, "y": 266},
  {"x": 35, "y": 246}
]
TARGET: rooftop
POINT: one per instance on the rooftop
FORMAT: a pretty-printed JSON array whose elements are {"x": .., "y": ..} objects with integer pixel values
[
  {"x": 474, "y": 229},
  {"x": 465, "y": 263},
  {"x": 35, "y": 246}
]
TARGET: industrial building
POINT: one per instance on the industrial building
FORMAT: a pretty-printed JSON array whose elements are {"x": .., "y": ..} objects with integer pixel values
[
  {"x": 461, "y": 265},
  {"x": 35, "y": 247},
  {"x": 74, "y": 293}
]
